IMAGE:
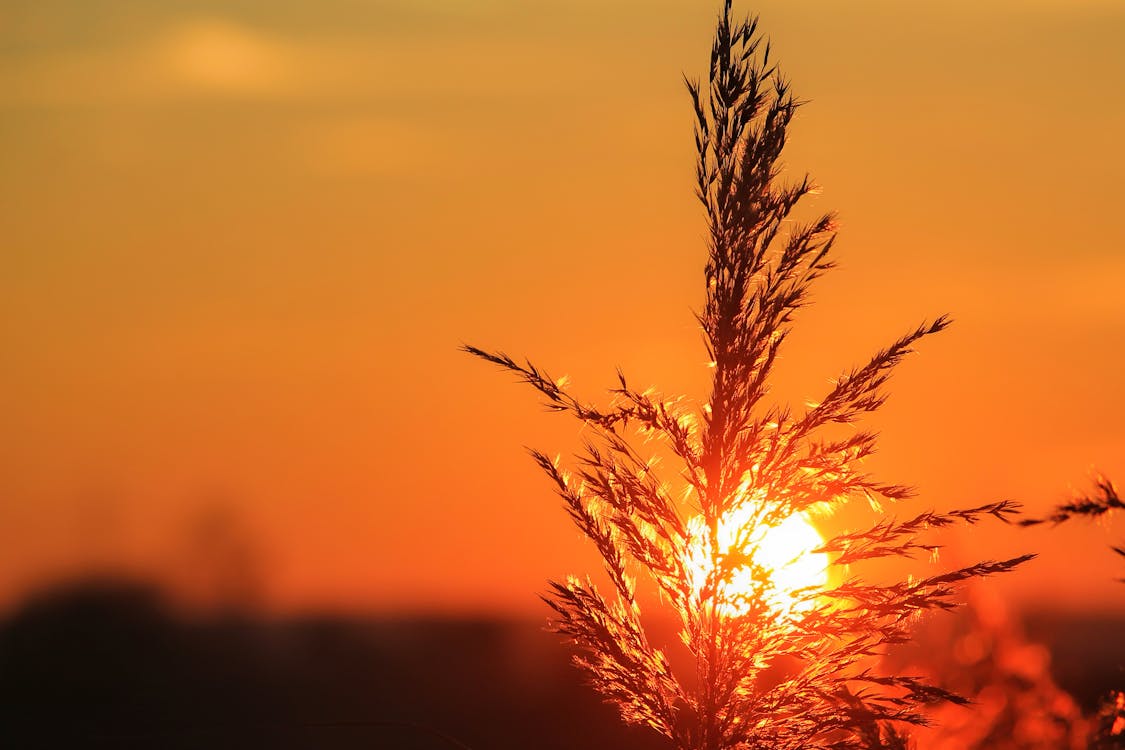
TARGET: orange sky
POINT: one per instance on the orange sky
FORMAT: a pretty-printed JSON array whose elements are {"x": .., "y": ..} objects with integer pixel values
[{"x": 241, "y": 241}]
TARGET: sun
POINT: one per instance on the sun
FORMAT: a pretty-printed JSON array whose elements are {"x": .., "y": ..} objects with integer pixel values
[{"x": 785, "y": 552}]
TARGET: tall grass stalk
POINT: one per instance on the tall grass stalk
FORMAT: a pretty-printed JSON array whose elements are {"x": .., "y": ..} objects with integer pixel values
[{"x": 758, "y": 674}]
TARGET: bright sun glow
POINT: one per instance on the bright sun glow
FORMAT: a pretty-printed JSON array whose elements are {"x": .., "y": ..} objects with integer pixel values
[{"x": 785, "y": 551}]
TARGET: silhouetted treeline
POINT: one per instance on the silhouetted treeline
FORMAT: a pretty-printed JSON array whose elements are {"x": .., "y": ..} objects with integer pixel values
[{"x": 107, "y": 665}]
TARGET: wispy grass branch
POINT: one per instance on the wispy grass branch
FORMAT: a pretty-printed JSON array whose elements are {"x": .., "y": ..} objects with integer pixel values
[{"x": 764, "y": 668}]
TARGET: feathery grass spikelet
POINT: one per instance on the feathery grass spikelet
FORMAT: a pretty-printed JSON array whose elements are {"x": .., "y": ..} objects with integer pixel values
[{"x": 739, "y": 457}]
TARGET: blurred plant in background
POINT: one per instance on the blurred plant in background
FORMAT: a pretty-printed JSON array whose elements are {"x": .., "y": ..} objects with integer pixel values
[
  {"x": 982, "y": 654},
  {"x": 1109, "y": 724}
]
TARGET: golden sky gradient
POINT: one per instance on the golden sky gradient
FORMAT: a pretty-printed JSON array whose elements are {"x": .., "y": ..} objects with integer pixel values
[{"x": 240, "y": 243}]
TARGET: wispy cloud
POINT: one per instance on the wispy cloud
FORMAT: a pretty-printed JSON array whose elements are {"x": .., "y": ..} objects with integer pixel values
[
  {"x": 216, "y": 57},
  {"x": 213, "y": 55},
  {"x": 198, "y": 57}
]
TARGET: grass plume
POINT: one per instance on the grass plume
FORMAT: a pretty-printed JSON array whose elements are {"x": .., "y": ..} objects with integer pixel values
[{"x": 741, "y": 457}]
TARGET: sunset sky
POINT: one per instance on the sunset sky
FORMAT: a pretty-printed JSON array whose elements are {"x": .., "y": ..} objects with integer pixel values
[{"x": 241, "y": 242}]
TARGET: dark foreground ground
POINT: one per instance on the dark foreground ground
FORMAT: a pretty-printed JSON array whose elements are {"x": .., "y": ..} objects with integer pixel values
[{"x": 107, "y": 666}]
